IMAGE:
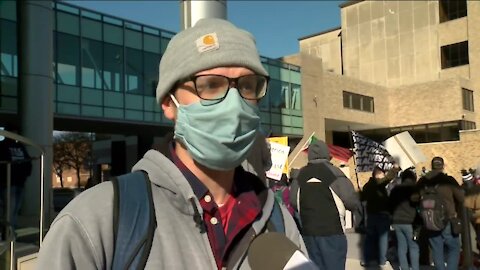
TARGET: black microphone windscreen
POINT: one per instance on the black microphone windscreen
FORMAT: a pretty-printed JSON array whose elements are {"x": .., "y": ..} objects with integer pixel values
[{"x": 270, "y": 251}]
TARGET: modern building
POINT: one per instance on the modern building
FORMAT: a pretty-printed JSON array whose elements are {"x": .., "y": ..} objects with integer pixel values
[
  {"x": 101, "y": 79},
  {"x": 106, "y": 72},
  {"x": 394, "y": 66}
]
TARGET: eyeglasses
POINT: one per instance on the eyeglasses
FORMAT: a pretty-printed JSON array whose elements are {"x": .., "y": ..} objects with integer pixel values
[{"x": 215, "y": 87}]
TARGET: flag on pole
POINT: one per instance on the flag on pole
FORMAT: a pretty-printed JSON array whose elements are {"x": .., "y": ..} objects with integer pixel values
[
  {"x": 304, "y": 147},
  {"x": 340, "y": 153},
  {"x": 310, "y": 140},
  {"x": 369, "y": 154}
]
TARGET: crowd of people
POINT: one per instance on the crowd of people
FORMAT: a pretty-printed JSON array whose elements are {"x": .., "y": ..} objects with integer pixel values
[{"x": 394, "y": 208}]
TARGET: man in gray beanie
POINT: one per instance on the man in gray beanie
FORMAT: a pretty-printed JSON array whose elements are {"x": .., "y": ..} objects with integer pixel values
[
  {"x": 207, "y": 209},
  {"x": 323, "y": 195}
]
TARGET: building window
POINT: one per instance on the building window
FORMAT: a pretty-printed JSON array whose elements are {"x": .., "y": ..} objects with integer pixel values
[
  {"x": 427, "y": 133},
  {"x": 150, "y": 70},
  {"x": 358, "y": 102},
  {"x": 68, "y": 59},
  {"x": 455, "y": 55},
  {"x": 466, "y": 125},
  {"x": 296, "y": 100},
  {"x": 92, "y": 65},
  {"x": 134, "y": 71},
  {"x": 467, "y": 97},
  {"x": 8, "y": 49},
  {"x": 277, "y": 90},
  {"x": 112, "y": 67},
  {"x": 452, "y": 9}
]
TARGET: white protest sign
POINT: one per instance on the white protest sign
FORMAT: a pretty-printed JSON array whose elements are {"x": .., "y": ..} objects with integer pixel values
[
  {"x": 279, "y": 158},
  {"x": 403, "y": 148}
]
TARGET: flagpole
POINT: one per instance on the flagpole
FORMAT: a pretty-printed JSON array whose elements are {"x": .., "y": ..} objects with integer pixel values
[
  {"x": 301, "y": 149},
  {"x": 354, "y": 156}
]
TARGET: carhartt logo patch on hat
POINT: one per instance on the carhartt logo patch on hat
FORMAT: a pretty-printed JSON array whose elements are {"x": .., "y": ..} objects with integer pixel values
[{"x": 208, "y": 42}]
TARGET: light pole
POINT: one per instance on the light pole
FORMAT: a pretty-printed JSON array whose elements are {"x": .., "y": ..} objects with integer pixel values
[{"x": 192, "y": 11}]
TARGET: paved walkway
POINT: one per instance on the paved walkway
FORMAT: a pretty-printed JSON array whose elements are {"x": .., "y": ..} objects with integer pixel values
[
  {"x": 354, "y": 264},
  {"x": 354, "y": 255}
]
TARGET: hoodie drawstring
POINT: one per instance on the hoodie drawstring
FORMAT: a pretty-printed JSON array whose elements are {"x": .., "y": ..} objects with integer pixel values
[{"x": 197, "y": 218}]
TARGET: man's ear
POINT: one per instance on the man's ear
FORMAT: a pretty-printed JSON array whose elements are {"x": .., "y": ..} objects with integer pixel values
[{"x": 169, "y": 108}]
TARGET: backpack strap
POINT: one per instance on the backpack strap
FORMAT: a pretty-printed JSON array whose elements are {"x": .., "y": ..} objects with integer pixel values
[
  {"x": 133, "y": 220},
  {"x": 276, "y": 223}
]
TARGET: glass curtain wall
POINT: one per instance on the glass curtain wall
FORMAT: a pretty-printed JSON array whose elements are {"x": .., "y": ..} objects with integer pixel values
[
  {"x": 8, "y": 57},
  {"x": 92, "y": 64},
  {"x": 113, "y": 67},
  {"x": 282, "y": 107},
  {"x": 106, "y": 67}
]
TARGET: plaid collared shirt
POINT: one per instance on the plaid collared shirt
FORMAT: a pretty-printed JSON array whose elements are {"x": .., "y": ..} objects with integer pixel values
[{"x": 245, "y": 211}]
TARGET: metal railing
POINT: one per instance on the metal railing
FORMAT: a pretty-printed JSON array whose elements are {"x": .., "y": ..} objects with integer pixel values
[{"x": 10, "y": 237}]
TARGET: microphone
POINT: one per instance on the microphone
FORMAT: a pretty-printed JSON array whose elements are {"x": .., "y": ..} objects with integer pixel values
[{"x": 274, "y": 251}]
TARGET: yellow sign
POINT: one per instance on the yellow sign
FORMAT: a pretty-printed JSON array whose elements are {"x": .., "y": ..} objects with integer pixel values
[{"x": 282, "y": 141}]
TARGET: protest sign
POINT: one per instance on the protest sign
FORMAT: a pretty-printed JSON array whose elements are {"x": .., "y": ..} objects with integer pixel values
[{"x": 279, "y": 154}]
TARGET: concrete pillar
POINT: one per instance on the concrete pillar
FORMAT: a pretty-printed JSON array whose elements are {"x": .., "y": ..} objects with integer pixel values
[
  {"x": 192, "y": 11},
  {"x": 313, "y": 106},
  {"x": 35, "y": 53}
]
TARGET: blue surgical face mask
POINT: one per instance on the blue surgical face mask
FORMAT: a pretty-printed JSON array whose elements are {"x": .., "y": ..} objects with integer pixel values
[{"x": 218, "y": 135}]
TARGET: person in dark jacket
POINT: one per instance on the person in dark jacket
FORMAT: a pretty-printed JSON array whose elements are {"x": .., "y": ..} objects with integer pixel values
[
  {"x": 17, "y": 155},
  {"x": 374, "y": 193},
  {"x": 324, "y": 195},
  {"x": 404, "y": 217},
  {"x": 453, "y": 197},
  {"x": 472, "y": 202},
  {"x": 294, "y": 195}
]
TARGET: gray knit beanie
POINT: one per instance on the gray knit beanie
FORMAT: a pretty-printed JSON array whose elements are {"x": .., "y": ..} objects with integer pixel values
[{"x": 209, "y": 44}]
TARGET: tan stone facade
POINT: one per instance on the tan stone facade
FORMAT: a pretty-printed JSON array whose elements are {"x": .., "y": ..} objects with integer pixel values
[{"x": 391, "y": 51}]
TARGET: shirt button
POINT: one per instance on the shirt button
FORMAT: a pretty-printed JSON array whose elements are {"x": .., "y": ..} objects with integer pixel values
[
  {"x": 208, "y": 198},
  {"x": 214, "y": 220}
]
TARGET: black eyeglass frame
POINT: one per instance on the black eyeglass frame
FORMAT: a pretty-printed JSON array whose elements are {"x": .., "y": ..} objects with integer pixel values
[{"x": 194, "y": 78}]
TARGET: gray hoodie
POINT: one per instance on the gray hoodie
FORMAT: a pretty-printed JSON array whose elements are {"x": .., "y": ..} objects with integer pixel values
[
  {"x": 81, "y": 237},
  {"x": 323, "y": 195}
]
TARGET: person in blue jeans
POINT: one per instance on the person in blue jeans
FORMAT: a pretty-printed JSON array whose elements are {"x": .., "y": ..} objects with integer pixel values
[
  {"x": 404, "y": 218},
  {"x": 453, "y": 197},
  {"x": 376, "y": 239},
  {"x": 438, "y": 240},
  {"x": 374, "y": 193},
  {"x": 323, "y": 194},
  {"x": 407, "y": 243}
]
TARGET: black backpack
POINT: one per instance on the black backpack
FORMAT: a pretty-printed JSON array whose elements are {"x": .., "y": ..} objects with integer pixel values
[
  {"x": 432, "y": 209},
  {"x": 134, "y": 221}
]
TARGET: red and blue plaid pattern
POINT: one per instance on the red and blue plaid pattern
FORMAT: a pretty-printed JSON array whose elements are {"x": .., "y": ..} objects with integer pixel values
[{"x": 247, "y": 208}]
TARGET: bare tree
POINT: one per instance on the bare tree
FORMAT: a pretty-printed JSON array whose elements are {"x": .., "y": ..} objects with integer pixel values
[
  {"x": 75, "y": 150},
  {"x": 60, "y": 163}
]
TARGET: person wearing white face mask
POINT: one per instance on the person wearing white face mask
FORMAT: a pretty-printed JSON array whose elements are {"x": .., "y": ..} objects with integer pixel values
[{"x": 208, "y": 209}]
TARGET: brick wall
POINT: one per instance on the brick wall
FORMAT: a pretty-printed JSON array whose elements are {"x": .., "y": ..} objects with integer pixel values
[{"x": 459, "y": 155}]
